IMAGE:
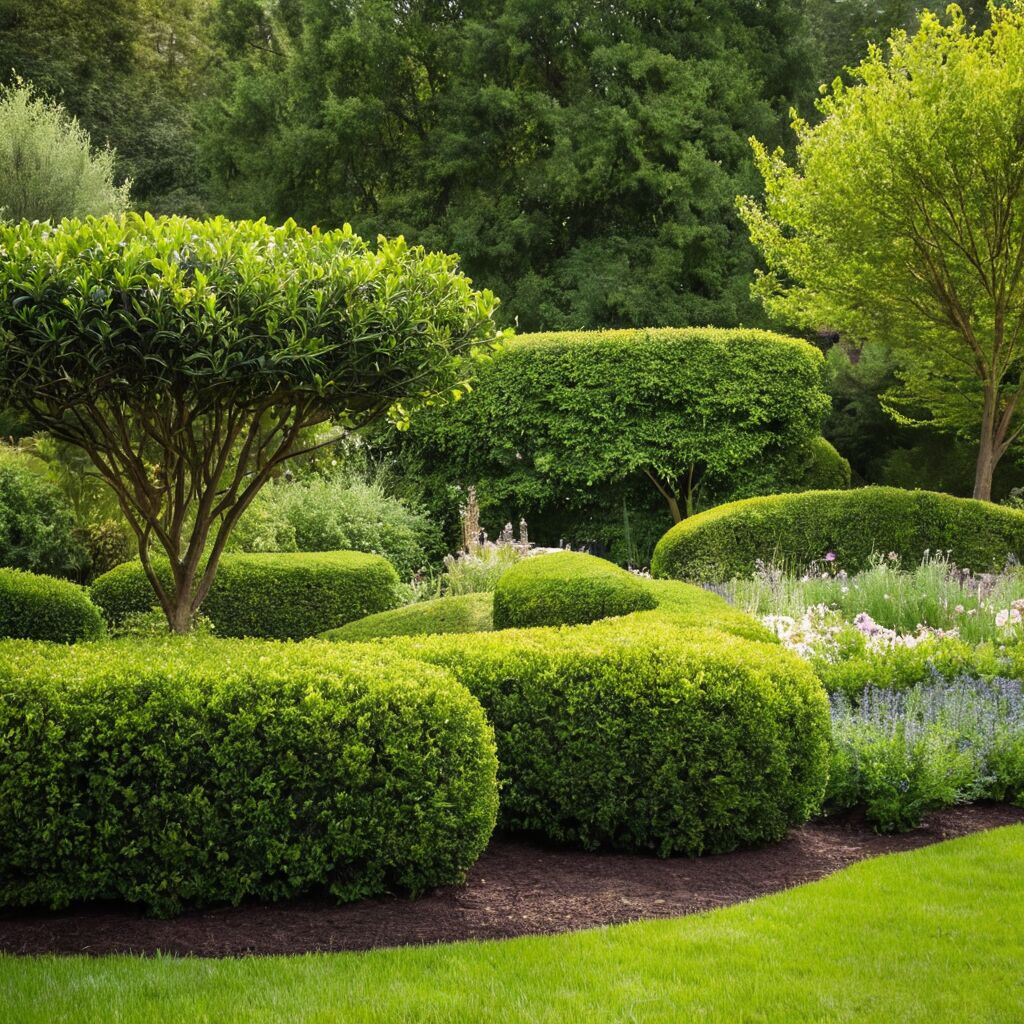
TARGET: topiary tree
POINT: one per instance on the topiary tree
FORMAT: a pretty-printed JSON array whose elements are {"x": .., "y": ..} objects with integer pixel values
[
  {"x": 48, "y": 168},
  {"x": 902, "y": 220},
  {"x": 558, "y": 419},
  {"x": 190, "y": 359}
]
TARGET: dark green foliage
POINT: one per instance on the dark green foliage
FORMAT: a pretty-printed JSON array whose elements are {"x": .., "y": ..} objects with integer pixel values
[
  {"x": 584, "y": 431},
  {"x": 182, "y": 773},
  {"x": 42, "y": 608},
  {"x": 637, "y": 735},
  {"x": 797, "y": 529},
  {"x": 37, "y": 528},
  {"x": 567, "y": 588},
  {"x": 462, "y": 613},
  {"x": 582, "y": 158},
  {"x": 279, "y": 596}
]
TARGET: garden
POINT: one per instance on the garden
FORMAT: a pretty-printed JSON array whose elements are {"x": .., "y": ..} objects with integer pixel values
[{"x": 376, "y": 649}]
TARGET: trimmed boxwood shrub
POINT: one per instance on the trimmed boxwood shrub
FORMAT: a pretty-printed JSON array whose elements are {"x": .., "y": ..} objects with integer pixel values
[
  {"x": 461, "y": 613},
  {"x": 566, "y": 588},
  {"x": 797, "y": 529},
  {"x": 278, "y": 596},
  {"x": 637, "y": 735},
  {"x": 679, "y": 604},
  {"x": 42, "y": 608},
  {"x": 182, "y": 773}
]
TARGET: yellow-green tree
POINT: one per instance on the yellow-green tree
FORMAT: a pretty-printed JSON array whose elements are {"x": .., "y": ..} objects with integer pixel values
[{"x": 902, "y": 219}]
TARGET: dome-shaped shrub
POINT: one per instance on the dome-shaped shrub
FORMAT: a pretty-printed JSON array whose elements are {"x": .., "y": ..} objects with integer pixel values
[
  {"x": 42, "y": 608},
  {"x": 566, "y": 588},
  {"x": 797, "y": 529}
]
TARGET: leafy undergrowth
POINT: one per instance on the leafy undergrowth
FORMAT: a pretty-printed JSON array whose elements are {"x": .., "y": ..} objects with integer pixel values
[{"x": 932, "y": 935}]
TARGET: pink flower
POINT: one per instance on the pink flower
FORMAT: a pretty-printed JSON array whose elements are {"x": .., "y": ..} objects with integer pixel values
[{"x": 830, "y": 556}]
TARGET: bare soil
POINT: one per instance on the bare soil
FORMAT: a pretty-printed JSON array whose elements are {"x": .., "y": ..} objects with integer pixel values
[{"x": 518, "y": 887}]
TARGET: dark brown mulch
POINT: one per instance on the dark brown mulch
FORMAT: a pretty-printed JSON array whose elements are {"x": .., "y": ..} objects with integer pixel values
[{"x": 516, "y": 888}]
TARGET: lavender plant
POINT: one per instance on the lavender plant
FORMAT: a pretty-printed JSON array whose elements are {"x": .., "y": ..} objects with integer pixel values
[{"x": 949, "y": 741}]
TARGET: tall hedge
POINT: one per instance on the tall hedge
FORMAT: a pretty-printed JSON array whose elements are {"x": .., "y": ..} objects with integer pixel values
[
  {"x": 278, "y": 596},
  {"x": 42, "y": 608},
  {"x": 797, "y": 529},
  {"x": 636, "y": 735},
  {"x": 568, "y": 429},
  {"x": 184, "y": 773}
]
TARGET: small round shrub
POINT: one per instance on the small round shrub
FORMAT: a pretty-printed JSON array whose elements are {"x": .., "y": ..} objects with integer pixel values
[
  {"x": 277, "y": 596},
  {"x": 636, "y": 735},
  {"x": 462, "y": 613},
  {"x": 42, "y": 608},
  {"x": 797, "y": 529},
  {"x": 182, "y": 773},
  {"x": 37, "y": 528},
  {"x": 566, "y": 588}
]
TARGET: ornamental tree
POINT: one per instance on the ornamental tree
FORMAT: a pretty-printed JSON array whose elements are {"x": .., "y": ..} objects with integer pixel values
[
  {"x": 902, "y": 220},
  {"x": 190, "y": 359}
]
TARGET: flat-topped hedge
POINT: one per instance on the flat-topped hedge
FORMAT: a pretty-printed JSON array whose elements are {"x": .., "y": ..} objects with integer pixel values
[
  {"x": 184, "y": 772},
  {"x": 43, "y": 608},
  {"x": 277, "y": 596},
  {"x": 797, "y": 529}
]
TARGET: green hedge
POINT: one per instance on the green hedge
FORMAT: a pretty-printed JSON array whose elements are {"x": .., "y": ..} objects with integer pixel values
[
  {"x": 566, "y": 588},
  {"x": 182, "y": 773},
  {"x": 634, "y": 734},
  {"x": 676, "y": 604},
  {"x": 278, "y": 596},
  {"x": 563, "y": 428},
  {"x": 797, "y": 529},
  {"x": 461, "y": 613},
  {"x": 42, "y": 608}
]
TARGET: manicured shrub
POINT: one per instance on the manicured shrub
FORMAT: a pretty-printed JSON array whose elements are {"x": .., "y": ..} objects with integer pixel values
[
  {"x": 181, "y": 773},
  {"x": 797, "y": 529},
  {"x": 566, "y": 588},
  {"x": 582, "y": 432},
  {"x": 37, "y": 527},
  {"x": 637, "y": 735},
  {"x": 339, "y": 514},
  {"x": 279, "y": 596},
  {"x": 42, "y": 608},
  {"x": 462, "y": 613}
]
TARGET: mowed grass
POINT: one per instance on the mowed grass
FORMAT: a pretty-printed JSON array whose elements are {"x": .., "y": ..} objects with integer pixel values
[{"x": 936, "y": 935}]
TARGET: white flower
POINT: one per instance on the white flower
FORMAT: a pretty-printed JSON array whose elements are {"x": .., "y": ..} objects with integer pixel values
[{"x": 1001, "y": 618}]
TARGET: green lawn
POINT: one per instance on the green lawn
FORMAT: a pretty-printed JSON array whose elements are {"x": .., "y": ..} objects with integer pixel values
[{"x": 933, "y": 936}]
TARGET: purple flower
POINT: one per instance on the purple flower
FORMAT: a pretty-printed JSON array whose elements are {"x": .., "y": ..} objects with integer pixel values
[{"x": 830, "y": 556}]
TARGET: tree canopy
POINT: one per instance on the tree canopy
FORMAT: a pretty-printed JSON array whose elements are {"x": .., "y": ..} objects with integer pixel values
[
  {"x": 190, "y": 359},
  {"x": 902, "y": 219}
]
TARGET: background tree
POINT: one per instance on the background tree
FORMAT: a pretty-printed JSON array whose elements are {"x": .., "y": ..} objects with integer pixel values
[
  {"x": 190, "y": 359},
  {"x": 581, "y": 157},
  {"x": 903, "y": 219},
  {"x": 132, "y": 73},
  {"x": 48, "y": 168}
]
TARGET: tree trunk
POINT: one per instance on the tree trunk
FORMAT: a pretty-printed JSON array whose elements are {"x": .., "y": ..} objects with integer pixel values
[
  {"x": 987, "y": 458},
  {"x": 180, "y": 618},
  {"x": 673, "y": 507}
]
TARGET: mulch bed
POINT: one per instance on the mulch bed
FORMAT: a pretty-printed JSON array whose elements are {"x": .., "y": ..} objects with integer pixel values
[{"x": 517, "y": 888}]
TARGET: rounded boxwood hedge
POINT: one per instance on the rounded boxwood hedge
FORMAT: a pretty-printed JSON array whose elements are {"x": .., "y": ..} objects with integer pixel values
[
  {"x": 181, "y": 773},
  {"x": 635, "y": 734},
  {"x": 42, "y": 608},
  {"x": 566, "y": 588},
  {"x": 460, "y": 613},
  {"x": 797, "y": 529},
  {"x": 277, "y": 596}
]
